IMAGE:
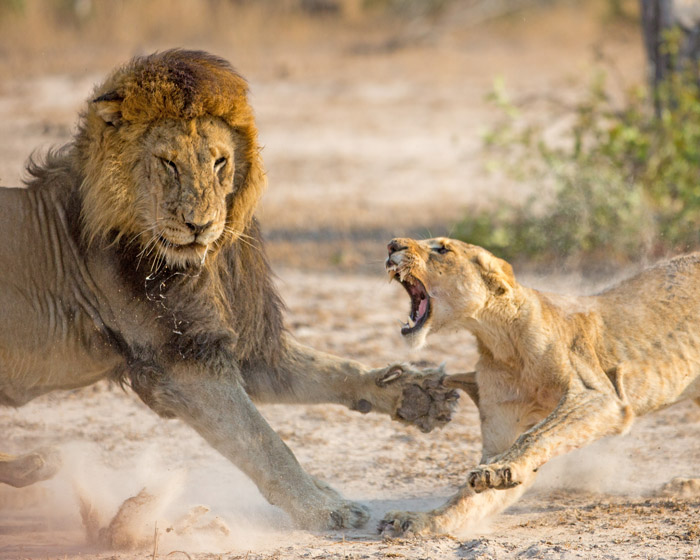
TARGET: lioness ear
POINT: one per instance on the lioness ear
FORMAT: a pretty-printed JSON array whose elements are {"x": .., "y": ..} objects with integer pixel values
[
  {"x": 497, "y": 273},
  {"x": 109, "y": 107}
]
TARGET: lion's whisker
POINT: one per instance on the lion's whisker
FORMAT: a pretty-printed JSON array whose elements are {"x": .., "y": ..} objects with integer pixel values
[
  {"x": 243, "y": 237},
  {"x": 135, "y": 238},
  {"x": 147, "y": 250}
]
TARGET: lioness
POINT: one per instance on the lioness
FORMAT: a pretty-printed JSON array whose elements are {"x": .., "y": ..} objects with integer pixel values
[
  {"x": 554, "y": 373},
  {"x": 133, "y": 255}
]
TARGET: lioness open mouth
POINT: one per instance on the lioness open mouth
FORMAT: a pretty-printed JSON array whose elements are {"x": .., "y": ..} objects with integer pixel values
[{"x": 420, "y": 304}]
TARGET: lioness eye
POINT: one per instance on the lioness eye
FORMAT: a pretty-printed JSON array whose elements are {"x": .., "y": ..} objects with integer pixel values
[
  {"x": 220, "y": 163},
  {"x": 441, "y": 249}
]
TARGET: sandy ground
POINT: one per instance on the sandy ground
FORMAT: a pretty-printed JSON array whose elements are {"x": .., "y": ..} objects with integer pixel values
[{"x": 361, "y": 142}]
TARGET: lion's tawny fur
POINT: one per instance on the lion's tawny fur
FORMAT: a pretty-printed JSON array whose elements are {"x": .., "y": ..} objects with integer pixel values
[
  {"x": 178, "y": 86},
  {"x": 133, "y": 255}
]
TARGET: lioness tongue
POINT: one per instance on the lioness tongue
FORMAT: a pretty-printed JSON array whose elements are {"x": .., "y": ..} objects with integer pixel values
[{"x": 422, "y": 308}]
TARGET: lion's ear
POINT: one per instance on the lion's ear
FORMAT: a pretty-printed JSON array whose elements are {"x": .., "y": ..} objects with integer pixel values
[{"x": 109, "y": 107}]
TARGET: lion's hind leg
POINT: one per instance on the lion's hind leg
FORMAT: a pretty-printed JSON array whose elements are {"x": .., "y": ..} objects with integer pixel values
[
  {"x": 23, "y": 470},
  {"x": 682, "y": 488}
]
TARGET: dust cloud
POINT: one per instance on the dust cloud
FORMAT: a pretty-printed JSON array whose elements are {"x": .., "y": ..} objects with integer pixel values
[
  {"x": 93, "y": 506},
  {"x": 605, "y": 467}
]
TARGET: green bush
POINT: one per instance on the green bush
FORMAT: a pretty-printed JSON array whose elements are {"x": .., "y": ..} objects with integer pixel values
[{"x": 619, "y": 183}]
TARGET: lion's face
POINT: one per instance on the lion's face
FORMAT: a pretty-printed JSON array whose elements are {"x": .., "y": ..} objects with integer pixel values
[
  {"x": 449, "y": 282},
  {"x": 183, "y": 181},
  {"x": 170, "y": 161}
]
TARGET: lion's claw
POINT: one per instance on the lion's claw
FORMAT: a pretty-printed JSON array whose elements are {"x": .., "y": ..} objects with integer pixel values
[
  {"x": 392, "y": 374},
  {"x": 491, "y": 476}
]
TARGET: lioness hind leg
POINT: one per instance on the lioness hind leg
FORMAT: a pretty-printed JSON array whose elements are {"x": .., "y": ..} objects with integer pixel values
[{"x": 24, "y": 470}]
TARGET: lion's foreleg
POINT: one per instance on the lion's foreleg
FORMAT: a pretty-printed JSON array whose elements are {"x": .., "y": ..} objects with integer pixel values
[
  {"x": 307, "y": 376},
  {"x": 220, "y": 411},
  {"x": 582, "y": 416}
]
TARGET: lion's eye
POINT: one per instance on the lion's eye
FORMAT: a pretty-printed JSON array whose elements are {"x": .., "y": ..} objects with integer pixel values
[
  {"x": 170, "y": 166},
  {"x": 219, "y": 164},
  {"x": 441, "y": 249}
]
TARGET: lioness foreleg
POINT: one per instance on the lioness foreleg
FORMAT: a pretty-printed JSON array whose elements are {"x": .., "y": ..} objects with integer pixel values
[
  {"x": 462, "y": 512},
  {"x": 582, "y": 416},
  {"x": 501, "y": 423},
  {"x": 219, "y": 409},
  {"x": 307, "y": 376}
]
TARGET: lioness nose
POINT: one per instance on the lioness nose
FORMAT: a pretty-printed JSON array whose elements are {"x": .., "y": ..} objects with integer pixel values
[
  {"x": 395, "y": 245},
  {"x": 198, "y": 228}
]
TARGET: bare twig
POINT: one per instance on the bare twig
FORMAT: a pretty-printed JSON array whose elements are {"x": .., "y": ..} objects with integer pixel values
[{"x": 155, "y": 542}]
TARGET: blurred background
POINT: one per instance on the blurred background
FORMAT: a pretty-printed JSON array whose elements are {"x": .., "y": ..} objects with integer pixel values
[{"x": 542, "y": 129}]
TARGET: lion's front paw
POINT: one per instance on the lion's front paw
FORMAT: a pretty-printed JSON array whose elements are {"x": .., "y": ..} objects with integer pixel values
[
  {"x": 492, "y": 476},
  {"x": 333, "y": 512},
  {"x": 347, "y": 515},
  {"x": 396, "y": 523},
  {"x": 425, "y": 402}
]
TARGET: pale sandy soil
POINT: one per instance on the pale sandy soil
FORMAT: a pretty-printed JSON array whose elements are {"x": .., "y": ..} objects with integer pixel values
[{"x": 385, "y": 142}]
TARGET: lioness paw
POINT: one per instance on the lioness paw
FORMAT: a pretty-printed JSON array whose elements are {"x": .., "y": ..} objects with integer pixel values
[
  {"x": 397, "y": 523},
  {"x": 423, "y": 400},
  {"x": 491, "y": 476}
]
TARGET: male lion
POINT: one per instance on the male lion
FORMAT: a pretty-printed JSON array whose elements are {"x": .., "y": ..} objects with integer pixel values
[
  {"x": 554, "y": 373},
  {"x": 133, "y": 255}
]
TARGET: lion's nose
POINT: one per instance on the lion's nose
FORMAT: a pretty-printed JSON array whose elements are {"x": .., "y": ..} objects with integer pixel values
[
  {"x": 395, "y": 245},
  {"x": 196, "y": 229}
]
